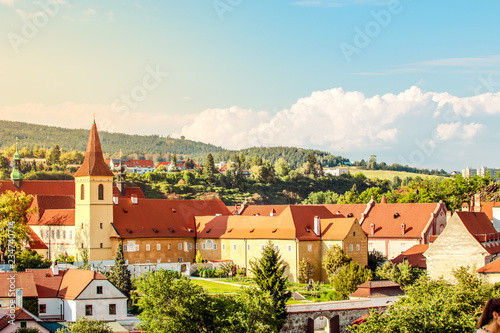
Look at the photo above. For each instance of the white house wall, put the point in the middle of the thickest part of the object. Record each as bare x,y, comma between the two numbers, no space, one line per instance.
70,310
53,306
29,324
100,302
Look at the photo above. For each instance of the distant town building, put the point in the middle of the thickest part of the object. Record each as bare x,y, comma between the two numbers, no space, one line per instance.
481,172
336,172
132,166
181,166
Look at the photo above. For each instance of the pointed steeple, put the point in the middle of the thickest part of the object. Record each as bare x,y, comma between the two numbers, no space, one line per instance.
93,164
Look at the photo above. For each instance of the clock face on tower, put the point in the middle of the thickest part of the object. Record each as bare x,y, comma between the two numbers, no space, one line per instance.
19,292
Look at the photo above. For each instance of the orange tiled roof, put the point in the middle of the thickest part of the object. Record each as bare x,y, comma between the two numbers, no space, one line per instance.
74,281
476,223
93,164
129,192
263,210
414,256
492,267
487,207
138,163
41,187
389,217
337,228
293,222
23,280
162,218
65,217
348,210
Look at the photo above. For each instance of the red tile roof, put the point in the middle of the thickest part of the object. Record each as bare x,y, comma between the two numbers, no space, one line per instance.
41,187
20,314
349,210
36,242
337,228
138,163
162,218
129,192
389,217
476,223
414,256
23,280
47,285
380,288
93,164
492,267
180,164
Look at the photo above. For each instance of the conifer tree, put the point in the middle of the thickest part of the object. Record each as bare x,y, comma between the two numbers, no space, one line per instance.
209,169
268,274
119,274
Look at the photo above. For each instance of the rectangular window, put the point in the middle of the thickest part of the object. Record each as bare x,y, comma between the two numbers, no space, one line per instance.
99,289
180,260
70,234
248,247
137,262
351,247
158,247
289,248
203,246
214,246
169,247
147,261
370,246
197,246
64,234
179,246
100,225
100,245
112,309
148,247
309,247
223,247
23,324
190,246
42,308
125,248
53,232
358,247
88,310
234,247
136,247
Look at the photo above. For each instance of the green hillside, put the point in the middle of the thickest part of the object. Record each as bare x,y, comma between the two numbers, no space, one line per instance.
387,174
76,139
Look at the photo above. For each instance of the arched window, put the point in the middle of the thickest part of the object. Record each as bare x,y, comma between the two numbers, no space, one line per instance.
101,192
82,192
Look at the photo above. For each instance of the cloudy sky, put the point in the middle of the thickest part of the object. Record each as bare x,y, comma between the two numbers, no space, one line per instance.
413,82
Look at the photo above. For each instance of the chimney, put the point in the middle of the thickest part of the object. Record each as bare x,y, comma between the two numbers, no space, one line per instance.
134,199
372,228
273,212
403,228
465,207
115,200
317,225
55,269
477,202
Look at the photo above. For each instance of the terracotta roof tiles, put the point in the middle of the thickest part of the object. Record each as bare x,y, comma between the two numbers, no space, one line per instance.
22,280
93,164
414,256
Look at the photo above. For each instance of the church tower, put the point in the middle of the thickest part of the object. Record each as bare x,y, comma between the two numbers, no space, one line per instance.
93,202
16,175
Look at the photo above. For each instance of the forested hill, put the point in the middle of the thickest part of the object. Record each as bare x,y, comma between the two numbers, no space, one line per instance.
76,139
46,137
294,156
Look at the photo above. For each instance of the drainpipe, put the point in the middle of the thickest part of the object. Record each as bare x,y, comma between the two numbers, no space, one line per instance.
296,260
246,274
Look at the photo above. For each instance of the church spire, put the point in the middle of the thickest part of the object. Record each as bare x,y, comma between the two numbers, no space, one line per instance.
16,175
93,164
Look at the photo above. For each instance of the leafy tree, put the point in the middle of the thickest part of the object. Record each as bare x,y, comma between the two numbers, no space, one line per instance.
368,194
403,274
189,164
376,259
350,197
268,273
434,306
334,259
14,207
119,274
311,160
85,260
372,162
65,258
28,258
177,306
199,257
305,267
54,155
209,169
348,278
4,162
281,167
321,198
84,325
256,160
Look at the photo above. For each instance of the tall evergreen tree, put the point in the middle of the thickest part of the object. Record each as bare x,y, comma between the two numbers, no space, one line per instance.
119,274
209,169
54,155
268,274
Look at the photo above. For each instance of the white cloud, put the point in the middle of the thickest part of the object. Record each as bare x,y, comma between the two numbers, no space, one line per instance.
8,2
448,131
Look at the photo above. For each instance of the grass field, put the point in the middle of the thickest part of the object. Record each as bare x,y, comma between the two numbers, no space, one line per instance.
216,288
387,174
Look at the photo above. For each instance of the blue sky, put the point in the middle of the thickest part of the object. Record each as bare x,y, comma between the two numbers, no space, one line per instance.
410,81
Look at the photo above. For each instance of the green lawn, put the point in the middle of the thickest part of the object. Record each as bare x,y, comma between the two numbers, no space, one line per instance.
216,288
387,174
